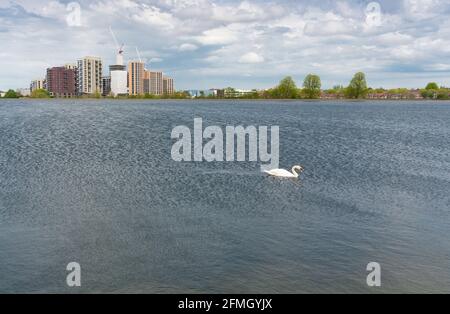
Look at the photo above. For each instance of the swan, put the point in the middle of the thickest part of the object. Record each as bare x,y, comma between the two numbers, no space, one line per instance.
296,170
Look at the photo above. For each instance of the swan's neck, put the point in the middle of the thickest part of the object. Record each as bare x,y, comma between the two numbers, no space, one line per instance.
296,172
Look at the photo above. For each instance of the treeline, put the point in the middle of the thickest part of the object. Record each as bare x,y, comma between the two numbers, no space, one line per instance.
287,89
175,95
312,88
433,91
42,93
39,93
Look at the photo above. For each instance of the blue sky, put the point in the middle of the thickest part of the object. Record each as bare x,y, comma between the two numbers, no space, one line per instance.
245,44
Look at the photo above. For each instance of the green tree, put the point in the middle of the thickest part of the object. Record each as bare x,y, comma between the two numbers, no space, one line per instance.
11,94
312,85
428,93
287,89
432,86
443,94
40,93
97,94
358,86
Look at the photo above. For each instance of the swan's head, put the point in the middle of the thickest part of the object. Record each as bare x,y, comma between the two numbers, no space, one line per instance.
298,169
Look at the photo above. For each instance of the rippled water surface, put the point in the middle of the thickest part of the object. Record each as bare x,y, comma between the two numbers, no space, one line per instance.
94,182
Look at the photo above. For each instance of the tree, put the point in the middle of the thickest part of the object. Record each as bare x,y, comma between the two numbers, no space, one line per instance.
40,93
11,94
358,86
312,85
443,94
287,89
97,94
432,86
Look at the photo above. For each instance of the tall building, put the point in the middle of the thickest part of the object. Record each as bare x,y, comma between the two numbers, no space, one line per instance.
118,73
168,88
156,83
106,85
146,82
136,78
70,66
73,66
61,82
37,84
89,78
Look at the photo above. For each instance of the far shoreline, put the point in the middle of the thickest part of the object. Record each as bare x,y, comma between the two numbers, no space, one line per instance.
225,100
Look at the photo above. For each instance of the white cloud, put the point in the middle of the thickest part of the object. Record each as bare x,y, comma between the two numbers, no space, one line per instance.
154,17
251,57
226,38
218,36
155,60
187,47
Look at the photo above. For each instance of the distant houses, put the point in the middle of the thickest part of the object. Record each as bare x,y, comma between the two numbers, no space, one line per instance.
395,94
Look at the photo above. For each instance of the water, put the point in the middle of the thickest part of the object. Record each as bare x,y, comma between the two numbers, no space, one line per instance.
93,182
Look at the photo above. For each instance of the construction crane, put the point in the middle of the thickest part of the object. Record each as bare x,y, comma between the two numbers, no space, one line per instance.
120,48
139,55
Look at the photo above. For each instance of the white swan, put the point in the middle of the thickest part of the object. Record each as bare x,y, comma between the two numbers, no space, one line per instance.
296,170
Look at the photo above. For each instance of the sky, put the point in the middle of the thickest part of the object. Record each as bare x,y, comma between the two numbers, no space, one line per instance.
240,43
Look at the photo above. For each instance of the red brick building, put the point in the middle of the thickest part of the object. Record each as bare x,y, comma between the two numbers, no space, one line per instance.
61,82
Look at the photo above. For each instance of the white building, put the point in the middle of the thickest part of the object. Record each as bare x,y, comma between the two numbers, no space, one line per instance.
119,76
37,84
89,70
25,92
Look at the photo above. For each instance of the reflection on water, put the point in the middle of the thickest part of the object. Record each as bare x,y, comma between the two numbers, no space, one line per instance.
93,182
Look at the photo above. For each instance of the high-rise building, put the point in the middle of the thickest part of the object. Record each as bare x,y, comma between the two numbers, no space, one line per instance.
146,82
37,84
89,78
73,66
156,83
106,85
118,73
70,66
136,78
61,82
168,87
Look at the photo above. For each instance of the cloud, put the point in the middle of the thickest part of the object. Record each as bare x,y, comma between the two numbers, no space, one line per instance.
222,40
187,47
251,57
155,60
218,36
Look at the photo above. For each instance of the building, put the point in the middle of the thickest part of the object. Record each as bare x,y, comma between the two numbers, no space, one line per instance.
106,85
89,76
61,82
237,93
37,84
146,82
70,66
168,88
73,66
24,92
119,80
118,73
195,93
216,92
156,83
136,78
2,94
